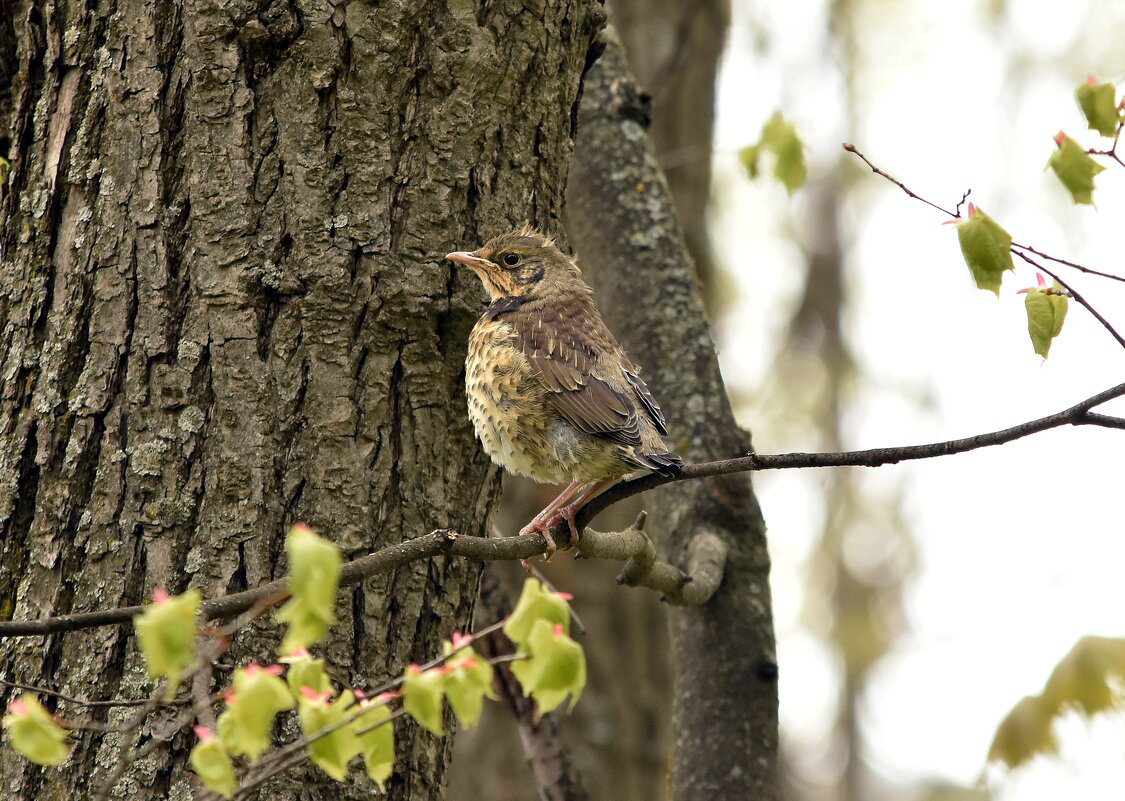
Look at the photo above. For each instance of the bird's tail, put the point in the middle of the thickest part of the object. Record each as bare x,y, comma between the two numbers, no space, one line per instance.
666,464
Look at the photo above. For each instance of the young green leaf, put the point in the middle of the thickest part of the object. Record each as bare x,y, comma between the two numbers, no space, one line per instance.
750,156
779,138
1046,312
555,667
1089,677
34,733
422,691
1074,167
375,730
246,725
304,671
1027,731
467,681
166,634
536,602
987,248
314,576
333,751
211,762
789,152
1098,103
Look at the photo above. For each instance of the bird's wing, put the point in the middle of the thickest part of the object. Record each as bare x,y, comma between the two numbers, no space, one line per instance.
566,344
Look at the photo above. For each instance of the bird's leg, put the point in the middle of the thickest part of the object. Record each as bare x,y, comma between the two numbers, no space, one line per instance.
568,512
545,520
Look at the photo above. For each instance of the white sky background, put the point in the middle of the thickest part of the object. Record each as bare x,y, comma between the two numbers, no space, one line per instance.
1021,548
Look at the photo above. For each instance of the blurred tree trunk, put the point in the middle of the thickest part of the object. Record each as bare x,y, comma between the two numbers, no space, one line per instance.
224,309
674,48
724,708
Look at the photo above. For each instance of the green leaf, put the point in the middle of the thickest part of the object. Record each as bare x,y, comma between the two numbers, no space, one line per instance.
1046,311
987,248
779,138
750,156
375,730
314,576
304,671
789,153
246,725
333,751
1098,103
166,634
211,762
34,733
536,602
555,667
1026,732
467,681
422,692
1089,677
1074,167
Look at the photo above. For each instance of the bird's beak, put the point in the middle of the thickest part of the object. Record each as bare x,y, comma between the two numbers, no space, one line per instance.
469,260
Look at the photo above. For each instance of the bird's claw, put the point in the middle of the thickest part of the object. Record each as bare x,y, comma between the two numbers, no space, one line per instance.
543,525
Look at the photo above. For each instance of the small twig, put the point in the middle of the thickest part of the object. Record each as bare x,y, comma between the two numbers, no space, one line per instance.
78,701
1071,264
851,149
1112,152
437,660
201,696
961,202
125,757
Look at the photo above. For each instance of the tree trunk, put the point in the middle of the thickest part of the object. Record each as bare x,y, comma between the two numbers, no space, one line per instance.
225,309
673,48
723,657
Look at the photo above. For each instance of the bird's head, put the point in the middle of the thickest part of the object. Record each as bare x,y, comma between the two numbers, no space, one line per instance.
523,264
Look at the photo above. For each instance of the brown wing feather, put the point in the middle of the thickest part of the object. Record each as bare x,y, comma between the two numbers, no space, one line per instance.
647,401
561,341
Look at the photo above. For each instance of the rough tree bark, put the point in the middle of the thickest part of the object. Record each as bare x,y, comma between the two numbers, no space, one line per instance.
224,309
723,656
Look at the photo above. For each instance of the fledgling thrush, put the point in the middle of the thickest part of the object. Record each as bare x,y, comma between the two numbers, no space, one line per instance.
552,394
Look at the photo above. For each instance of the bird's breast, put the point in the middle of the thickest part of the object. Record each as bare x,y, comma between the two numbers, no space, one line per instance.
506,406
517,421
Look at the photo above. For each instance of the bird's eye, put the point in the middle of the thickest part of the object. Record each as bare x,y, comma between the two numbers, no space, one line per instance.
511,259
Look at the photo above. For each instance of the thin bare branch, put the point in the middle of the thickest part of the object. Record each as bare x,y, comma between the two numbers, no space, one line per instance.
486,549
78,701
1072,264
1015,248
852,149
1078,414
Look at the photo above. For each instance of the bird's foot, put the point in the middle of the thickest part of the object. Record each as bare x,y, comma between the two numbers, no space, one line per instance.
542,525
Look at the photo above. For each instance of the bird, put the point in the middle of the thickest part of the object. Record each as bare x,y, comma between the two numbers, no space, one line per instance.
551,393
